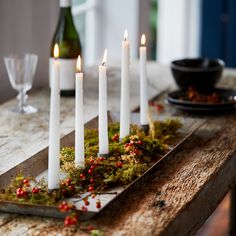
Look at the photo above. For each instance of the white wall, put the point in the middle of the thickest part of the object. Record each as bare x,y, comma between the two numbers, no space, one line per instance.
26,26
116,17
178,29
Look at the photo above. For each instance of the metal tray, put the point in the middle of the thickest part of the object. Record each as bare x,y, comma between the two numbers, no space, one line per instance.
37,166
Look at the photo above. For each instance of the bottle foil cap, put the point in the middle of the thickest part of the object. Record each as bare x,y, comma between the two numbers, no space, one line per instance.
65,3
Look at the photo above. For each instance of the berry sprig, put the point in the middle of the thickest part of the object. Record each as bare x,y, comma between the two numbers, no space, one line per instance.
65,207
132,147
68,187
71,220
35,190
115,138
21,192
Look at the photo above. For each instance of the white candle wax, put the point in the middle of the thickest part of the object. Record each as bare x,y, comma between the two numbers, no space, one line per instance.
54,129
125,90
79,121
103,123
143,83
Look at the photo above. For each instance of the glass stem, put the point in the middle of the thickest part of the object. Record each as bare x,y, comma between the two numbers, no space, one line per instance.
22,97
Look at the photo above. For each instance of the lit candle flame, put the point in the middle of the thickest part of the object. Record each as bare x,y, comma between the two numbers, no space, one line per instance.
104,60
56,51
143,40
78,65
126,35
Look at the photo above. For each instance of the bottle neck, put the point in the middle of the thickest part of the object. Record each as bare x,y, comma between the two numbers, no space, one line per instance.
65,12
65,3
65,9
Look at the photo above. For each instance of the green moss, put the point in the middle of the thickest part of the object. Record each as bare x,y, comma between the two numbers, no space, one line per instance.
128,160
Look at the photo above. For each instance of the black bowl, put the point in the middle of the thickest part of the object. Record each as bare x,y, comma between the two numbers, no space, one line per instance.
200,73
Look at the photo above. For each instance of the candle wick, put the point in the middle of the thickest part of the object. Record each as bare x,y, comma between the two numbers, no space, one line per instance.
103,64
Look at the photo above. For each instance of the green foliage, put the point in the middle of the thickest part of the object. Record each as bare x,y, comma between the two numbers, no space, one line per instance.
128,160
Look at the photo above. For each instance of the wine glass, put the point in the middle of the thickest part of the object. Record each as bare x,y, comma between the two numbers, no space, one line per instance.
21,71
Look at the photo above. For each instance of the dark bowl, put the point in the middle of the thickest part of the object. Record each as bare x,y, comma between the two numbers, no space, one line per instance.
200,73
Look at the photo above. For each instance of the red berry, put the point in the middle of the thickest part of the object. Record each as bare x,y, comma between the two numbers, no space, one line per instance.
35,190
91,161
91,180
139,142
86,202
84,208
71,187
82,176
90,188
68,181
115,138
64,207
26,182
98,205
101,158
90,171
67,221
20,192
70,220
92,167
119,164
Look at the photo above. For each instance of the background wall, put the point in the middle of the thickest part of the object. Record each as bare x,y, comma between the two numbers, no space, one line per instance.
179,29
118,16
25,26
219,30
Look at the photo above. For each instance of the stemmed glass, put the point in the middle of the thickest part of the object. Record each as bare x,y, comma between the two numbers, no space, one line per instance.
21,71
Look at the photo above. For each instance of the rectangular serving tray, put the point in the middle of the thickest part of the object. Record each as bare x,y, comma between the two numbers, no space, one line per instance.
38,163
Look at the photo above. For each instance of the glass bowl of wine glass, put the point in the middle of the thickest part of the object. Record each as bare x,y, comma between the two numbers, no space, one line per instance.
21,70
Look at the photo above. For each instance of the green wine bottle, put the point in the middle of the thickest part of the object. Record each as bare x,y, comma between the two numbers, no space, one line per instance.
68,40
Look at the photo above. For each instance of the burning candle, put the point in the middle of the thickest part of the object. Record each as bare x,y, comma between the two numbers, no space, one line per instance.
103,125
143,83
54,125
125,88
79,117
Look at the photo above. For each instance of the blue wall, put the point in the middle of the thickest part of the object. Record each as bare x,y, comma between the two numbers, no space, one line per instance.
218,36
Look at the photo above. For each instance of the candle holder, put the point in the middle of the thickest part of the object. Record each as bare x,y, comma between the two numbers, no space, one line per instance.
145,128
103,155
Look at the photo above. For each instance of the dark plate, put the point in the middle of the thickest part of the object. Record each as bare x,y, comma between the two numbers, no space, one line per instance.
228,97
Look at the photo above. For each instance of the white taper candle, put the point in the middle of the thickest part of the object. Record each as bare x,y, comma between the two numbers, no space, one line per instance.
54,126
143,83
103,123
79,118
125,88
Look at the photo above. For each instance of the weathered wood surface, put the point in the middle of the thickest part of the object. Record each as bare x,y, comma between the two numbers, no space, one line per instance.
179,196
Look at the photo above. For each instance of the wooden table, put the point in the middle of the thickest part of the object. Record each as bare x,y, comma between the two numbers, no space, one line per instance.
180,195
